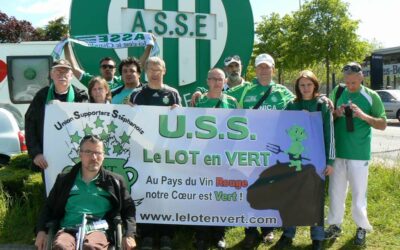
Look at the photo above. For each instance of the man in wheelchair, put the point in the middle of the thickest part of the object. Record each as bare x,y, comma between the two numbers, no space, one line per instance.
87,189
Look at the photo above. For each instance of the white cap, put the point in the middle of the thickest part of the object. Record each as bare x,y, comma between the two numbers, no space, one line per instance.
265,58
232,59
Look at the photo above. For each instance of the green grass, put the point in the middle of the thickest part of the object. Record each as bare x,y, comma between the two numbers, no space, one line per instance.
18,216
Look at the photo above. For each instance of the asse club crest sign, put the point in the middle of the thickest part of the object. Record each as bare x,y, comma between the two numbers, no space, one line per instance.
193,35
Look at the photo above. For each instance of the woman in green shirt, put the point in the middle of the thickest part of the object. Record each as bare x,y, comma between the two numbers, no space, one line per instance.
308,99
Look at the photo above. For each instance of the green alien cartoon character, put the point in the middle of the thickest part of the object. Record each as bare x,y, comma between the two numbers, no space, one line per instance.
297,135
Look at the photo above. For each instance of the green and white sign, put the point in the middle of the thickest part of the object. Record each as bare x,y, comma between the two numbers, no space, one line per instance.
193,35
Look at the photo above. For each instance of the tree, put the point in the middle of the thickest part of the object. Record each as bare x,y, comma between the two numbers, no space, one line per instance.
54,30
272,33
320,32
328,34
13,30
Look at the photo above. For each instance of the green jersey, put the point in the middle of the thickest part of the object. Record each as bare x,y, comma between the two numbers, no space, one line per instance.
327,120
356,145
225,102
114,83
248,95
85,198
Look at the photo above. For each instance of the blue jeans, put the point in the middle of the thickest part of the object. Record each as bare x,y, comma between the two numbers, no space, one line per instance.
316,232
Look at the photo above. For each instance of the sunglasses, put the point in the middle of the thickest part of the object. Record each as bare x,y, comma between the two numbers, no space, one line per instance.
235,57
107,66
352,68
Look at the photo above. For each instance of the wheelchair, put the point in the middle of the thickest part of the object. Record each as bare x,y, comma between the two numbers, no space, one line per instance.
115,241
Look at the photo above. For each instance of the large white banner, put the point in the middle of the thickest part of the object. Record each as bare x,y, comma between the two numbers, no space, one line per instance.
201,166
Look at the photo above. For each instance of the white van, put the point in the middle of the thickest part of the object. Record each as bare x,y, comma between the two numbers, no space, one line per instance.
24,69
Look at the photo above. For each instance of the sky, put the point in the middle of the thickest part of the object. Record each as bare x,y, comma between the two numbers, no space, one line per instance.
378,17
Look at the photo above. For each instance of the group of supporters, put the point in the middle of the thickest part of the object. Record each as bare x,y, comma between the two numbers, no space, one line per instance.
347,115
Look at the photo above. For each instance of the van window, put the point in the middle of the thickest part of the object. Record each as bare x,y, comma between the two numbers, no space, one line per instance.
27,75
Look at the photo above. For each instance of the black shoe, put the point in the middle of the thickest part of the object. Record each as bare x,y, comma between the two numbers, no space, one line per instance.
165,243
360,237
147,243
317,245
201,245
283,242
332,232
250,240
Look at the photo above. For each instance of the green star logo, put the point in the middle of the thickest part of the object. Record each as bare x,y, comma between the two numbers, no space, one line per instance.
112,127
75,138
103,135
99,122
118,149
124,138
88,130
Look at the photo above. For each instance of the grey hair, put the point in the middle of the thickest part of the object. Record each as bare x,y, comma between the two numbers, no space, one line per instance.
154,60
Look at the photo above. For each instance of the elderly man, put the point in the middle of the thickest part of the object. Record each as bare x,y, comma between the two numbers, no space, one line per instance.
358,108
88,188
61,90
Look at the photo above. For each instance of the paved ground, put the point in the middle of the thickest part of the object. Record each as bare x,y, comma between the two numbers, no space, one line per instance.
386,144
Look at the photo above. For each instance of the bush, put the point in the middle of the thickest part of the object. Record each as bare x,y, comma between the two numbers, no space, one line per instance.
21,161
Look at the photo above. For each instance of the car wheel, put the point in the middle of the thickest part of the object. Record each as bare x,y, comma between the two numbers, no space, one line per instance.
4,159
398,115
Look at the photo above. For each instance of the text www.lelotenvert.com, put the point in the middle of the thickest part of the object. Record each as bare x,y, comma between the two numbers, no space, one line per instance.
207,218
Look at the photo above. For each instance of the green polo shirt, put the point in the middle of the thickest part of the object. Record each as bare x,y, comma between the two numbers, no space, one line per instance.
249,94
85,198
114,83
226,102
356,145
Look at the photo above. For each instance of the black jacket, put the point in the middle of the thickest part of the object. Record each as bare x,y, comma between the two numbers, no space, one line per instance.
121,201
34,119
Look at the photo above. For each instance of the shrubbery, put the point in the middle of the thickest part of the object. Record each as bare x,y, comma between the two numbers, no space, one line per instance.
21,196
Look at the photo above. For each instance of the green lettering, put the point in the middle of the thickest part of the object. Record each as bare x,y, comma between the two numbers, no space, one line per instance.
138,22
139,36
203,123
254,157
183,153
180,127
163,29
242,158
167,158
103,38
127,37
200,25
180,18
115,38
239,125
145,157
231,157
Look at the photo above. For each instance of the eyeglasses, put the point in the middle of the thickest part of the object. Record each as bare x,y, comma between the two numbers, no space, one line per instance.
229,58
90,153
352,68
107,66
216,79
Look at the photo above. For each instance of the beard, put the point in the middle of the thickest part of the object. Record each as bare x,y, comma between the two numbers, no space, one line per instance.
234,77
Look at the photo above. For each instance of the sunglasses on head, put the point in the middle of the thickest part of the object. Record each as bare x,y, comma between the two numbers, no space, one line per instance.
107,66
352,68
235,57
